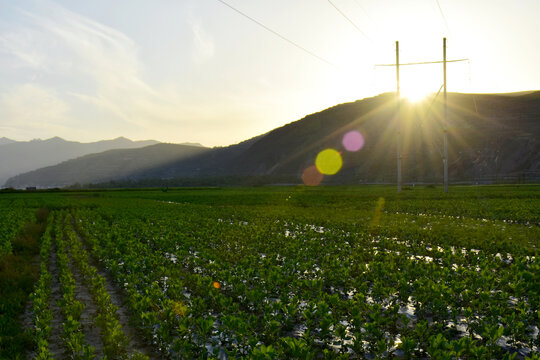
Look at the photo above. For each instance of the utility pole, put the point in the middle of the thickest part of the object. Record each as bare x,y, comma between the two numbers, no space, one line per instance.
398,119
445,122
398,115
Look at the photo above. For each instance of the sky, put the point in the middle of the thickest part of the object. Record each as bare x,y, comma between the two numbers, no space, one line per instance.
199,71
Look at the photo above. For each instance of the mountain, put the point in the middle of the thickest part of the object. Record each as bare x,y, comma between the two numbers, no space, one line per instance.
106,166
23,156
5,140
491,137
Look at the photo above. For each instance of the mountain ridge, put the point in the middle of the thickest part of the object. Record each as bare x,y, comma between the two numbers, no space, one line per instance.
490,136
4,140
22,156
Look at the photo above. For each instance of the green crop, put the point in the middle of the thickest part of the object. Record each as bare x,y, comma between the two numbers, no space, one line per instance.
300,273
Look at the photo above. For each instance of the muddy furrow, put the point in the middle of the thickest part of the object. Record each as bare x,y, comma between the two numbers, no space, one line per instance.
92,334
136,341
55,340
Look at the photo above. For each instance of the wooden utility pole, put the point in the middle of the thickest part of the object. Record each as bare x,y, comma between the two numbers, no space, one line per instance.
445,122
398,119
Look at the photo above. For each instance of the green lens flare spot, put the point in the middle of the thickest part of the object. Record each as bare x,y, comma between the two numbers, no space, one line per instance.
328,162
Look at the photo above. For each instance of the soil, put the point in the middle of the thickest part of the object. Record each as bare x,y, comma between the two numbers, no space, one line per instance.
136,342
91,331
55,341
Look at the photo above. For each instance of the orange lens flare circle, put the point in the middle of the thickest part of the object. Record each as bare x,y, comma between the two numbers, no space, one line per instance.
329,162
311,176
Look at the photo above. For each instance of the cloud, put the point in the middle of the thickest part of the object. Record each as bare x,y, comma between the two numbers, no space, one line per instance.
86,61
97,72
204,44
19,46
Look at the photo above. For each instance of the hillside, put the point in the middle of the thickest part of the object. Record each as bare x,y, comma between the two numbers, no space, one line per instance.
105,166
22,156
491,137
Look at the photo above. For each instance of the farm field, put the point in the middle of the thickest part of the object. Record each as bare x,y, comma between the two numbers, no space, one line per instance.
275,273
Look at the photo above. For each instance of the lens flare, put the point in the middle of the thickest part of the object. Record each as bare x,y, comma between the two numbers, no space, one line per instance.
353,141
180,308
328,162
311,176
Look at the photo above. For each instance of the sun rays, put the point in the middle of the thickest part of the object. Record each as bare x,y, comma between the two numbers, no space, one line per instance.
359,144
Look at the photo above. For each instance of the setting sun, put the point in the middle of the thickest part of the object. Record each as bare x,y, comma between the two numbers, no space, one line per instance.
418,82
415,94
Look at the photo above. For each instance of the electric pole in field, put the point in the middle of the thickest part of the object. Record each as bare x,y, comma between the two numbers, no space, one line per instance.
445,115
398,119
445,122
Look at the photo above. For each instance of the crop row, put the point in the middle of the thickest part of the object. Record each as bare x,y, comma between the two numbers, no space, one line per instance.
41,297
115,341
14,216
72,331
72,256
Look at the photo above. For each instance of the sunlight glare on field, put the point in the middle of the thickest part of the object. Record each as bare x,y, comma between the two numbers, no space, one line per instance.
329,162
377,214
312,176
353,141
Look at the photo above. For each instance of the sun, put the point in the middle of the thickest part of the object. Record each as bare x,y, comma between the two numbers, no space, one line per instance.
419,82
415,93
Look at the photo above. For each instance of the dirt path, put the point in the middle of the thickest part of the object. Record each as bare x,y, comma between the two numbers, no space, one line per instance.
92,334
136,342
91,331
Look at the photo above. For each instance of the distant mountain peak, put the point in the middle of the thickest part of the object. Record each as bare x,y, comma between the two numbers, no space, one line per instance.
122,138
192,144
5,140
19,157
55,139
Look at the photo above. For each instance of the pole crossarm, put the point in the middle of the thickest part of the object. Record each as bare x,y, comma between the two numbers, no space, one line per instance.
423,63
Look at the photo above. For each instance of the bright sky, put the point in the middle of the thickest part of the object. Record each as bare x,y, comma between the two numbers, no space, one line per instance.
197,71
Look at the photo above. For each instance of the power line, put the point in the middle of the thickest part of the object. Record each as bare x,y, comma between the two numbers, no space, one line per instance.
349,20
443,17
279,35
364,10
